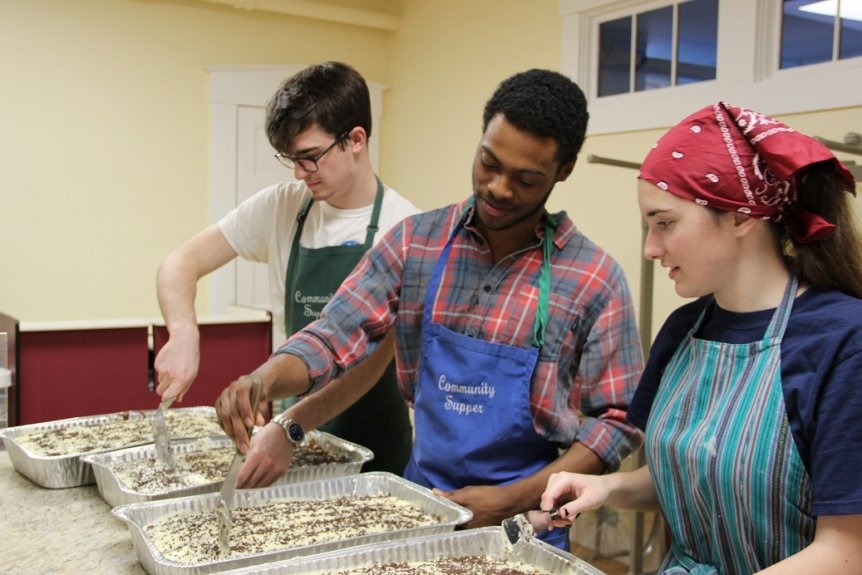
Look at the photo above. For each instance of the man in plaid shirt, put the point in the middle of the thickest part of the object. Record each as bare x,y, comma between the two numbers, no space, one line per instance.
516,340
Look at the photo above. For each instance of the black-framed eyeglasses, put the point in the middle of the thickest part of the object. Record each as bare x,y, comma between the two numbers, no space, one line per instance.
307,163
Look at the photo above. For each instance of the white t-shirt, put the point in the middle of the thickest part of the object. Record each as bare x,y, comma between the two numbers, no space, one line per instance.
261,229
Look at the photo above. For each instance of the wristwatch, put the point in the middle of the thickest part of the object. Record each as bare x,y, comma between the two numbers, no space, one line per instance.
292,429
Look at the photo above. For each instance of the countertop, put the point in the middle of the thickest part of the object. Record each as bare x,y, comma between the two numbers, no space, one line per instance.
46,531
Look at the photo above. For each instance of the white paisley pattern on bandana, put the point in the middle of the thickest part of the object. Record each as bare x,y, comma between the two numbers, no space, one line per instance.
738,160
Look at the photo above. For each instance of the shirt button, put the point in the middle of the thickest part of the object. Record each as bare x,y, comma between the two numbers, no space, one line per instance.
487,288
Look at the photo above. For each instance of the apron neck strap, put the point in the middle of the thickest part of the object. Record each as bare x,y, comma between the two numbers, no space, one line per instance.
778,323
375,215
544,282
371,230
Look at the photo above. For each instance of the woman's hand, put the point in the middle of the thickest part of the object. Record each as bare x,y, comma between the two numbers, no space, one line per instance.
573,493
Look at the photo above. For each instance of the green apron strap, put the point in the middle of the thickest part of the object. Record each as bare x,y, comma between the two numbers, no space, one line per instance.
375,215
294,246
544,282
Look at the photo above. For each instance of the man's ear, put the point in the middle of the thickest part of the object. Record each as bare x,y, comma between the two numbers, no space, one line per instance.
565,171
357,138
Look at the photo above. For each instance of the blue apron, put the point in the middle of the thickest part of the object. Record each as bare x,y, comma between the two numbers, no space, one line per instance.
722,457
472,406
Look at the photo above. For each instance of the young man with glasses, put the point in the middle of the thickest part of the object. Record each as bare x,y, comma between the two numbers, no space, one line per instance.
311,232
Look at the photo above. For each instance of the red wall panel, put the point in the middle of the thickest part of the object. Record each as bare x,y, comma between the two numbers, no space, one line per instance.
228,350
78,372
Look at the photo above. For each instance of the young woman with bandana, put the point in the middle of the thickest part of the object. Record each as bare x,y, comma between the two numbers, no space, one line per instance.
750,398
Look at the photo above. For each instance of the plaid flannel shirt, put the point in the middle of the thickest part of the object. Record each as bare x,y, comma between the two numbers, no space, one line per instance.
591,359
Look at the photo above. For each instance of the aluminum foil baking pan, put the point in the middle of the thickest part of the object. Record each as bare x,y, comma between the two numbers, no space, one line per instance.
138,515
68,470
116,493
490,541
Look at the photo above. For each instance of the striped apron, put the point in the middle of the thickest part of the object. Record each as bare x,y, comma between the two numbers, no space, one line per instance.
730,481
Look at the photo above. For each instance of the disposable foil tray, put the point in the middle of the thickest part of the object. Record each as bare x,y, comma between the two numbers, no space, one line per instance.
69,470
489,541
112,489
139,515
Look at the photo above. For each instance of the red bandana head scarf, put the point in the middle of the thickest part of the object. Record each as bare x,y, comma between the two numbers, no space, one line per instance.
737,160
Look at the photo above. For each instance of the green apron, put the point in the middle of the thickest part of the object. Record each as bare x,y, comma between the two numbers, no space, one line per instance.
722,457
379,420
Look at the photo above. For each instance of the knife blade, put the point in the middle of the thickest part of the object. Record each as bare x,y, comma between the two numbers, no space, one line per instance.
160,434
228,488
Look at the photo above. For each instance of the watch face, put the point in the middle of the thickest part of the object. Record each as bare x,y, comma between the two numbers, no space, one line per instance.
294,430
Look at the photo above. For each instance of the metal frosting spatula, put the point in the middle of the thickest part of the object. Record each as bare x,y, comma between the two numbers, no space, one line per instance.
523,527
517,528
160,434
228,488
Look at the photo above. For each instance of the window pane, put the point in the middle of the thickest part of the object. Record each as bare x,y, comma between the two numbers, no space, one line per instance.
806,37
851,30
654,49
697,41
615,48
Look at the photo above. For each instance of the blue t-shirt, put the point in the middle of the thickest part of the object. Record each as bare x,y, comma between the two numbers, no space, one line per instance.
821,375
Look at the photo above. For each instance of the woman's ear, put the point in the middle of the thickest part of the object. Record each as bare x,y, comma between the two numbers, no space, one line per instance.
743,224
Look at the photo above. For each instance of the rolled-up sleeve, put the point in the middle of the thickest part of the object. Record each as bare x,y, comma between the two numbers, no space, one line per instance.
607,377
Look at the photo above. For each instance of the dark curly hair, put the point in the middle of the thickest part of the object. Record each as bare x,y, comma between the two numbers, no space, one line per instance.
331,94
546,104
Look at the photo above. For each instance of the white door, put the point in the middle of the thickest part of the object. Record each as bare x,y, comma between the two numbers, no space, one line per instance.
256,169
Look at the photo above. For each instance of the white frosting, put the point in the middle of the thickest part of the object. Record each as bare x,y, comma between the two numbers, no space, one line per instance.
114,432
204,462
199,466
192,537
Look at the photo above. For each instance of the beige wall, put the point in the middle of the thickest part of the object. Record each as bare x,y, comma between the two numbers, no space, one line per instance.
445,63
103,131
104,138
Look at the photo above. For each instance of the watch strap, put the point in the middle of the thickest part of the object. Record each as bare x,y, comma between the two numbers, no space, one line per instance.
293,430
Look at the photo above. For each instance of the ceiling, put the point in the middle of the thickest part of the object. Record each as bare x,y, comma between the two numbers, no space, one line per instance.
393,7
380,14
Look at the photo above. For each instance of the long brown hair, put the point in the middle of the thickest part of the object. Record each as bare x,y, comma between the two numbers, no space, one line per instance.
836,260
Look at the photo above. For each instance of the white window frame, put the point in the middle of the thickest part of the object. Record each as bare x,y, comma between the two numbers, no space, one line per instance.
749,37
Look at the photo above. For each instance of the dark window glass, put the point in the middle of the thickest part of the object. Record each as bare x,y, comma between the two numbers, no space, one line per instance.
806,37
654,49
697,41
615,47
851,31
652,55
